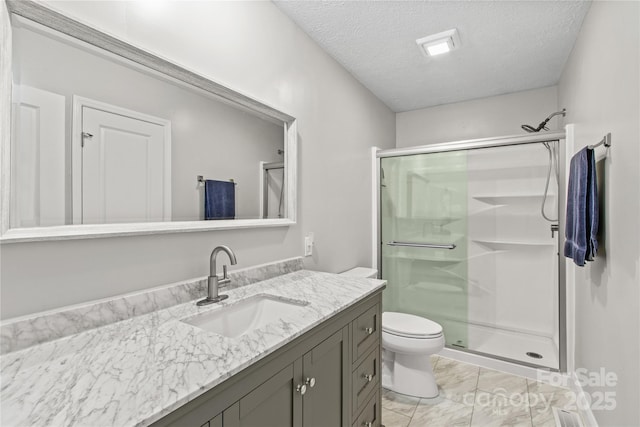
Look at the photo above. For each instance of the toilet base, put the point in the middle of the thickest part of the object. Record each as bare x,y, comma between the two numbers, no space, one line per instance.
409,374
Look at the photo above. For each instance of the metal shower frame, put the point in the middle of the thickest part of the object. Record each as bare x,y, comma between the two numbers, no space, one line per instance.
471,144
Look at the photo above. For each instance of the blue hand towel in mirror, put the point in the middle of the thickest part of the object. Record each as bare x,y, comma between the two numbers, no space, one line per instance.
219,199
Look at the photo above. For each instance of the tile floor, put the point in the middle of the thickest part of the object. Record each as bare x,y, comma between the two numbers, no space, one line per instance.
473,396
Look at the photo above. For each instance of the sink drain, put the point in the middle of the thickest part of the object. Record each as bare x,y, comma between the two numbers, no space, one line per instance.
534,355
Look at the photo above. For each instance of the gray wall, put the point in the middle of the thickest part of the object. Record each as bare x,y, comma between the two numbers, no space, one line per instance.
600,89
479,118
209,137
253,48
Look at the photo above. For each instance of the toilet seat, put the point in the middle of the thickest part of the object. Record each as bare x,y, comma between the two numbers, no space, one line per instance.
410,326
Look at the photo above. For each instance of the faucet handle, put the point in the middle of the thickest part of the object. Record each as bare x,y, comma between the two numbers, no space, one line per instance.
225,276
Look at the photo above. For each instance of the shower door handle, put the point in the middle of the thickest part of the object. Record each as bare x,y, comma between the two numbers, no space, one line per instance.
422,245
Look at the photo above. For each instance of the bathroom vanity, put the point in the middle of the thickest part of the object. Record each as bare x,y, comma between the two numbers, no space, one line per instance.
328,376
316,365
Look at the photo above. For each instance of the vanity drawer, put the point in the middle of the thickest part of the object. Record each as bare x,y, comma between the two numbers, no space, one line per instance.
370,415
365,331
365,379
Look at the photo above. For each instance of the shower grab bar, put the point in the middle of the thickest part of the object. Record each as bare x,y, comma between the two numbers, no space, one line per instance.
422,245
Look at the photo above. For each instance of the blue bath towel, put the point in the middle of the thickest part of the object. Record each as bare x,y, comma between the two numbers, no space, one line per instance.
219,200
582,208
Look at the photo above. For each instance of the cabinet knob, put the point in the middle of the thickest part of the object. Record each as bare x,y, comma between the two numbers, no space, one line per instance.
310,382
302,389
367,377
367,423
369,331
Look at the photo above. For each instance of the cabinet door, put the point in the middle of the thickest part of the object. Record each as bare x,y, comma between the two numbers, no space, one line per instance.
275,403
215,422
326,401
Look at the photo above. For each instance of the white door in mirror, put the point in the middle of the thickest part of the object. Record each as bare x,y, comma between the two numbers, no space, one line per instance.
37,171
123,169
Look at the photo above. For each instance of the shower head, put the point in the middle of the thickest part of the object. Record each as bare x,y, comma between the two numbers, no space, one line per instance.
531,129
543,125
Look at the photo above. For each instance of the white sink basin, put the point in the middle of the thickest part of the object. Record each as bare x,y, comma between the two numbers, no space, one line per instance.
246,315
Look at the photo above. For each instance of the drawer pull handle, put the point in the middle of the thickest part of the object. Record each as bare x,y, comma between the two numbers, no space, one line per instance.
302,389
310,382
367,423
367,377
369,331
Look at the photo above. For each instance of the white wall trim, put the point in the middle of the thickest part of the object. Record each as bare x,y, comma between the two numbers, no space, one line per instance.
76,232
6,80
291,169
583,402
570,268
261,189
375,207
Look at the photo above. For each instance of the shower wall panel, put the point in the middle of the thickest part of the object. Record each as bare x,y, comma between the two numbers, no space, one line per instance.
513,263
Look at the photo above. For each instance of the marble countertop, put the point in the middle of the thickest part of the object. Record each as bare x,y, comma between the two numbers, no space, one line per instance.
135,371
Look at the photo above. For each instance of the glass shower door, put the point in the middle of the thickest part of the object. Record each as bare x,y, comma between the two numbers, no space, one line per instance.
464,243
424,239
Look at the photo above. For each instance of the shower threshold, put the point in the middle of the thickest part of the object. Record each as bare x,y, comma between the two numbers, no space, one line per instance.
509,345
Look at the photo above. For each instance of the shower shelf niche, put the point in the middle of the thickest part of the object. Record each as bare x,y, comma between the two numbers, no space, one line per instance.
512,199
437,287
504,245
433,220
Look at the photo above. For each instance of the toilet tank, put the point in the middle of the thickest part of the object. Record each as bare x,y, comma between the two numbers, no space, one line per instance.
370,273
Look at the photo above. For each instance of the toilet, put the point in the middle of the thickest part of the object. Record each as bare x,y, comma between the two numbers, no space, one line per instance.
408,341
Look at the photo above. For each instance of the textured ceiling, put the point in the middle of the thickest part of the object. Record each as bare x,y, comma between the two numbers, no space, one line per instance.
507,46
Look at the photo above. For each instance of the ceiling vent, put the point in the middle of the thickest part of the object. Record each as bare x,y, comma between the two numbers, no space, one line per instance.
440,43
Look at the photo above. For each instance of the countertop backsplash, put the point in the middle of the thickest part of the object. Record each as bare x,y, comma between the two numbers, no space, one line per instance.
26,331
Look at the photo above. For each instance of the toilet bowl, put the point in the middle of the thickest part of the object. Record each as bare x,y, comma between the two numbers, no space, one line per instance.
407,343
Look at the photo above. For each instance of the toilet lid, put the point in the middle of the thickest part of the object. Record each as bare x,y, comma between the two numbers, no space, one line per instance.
408,325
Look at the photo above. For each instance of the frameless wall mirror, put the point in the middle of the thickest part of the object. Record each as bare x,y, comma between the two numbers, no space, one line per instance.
108,139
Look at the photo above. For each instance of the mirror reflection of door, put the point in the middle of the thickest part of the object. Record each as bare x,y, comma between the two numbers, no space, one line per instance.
38,158
125,171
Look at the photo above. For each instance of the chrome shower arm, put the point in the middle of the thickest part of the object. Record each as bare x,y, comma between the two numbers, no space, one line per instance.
543,125
557,113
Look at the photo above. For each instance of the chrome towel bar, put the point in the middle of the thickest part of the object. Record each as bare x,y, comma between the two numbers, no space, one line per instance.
422,245
201,180
606,141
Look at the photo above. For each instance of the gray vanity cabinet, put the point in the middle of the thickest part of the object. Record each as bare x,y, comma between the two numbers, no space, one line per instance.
275,403
328,377
326,373
308,393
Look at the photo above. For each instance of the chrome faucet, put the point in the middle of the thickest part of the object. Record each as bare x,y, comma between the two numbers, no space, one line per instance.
213,281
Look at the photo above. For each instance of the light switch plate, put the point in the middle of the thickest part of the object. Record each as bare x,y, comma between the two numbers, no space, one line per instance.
308,244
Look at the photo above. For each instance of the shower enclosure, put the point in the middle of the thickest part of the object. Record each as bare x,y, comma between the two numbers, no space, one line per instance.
272,204
464,242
